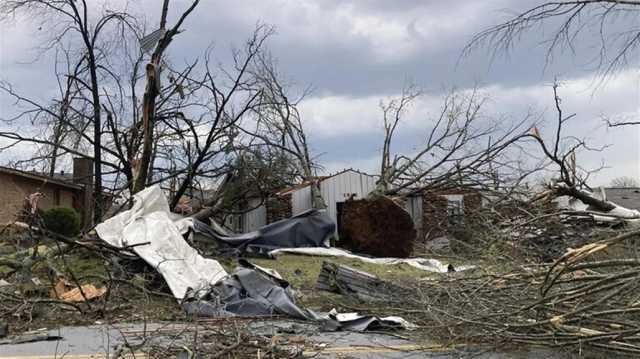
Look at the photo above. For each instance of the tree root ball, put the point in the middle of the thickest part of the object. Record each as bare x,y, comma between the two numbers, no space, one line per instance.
378,227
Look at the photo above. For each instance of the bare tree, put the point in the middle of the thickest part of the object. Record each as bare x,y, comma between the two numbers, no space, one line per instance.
193,126
69,19
625,182
462,148
152,91
576,20
279,123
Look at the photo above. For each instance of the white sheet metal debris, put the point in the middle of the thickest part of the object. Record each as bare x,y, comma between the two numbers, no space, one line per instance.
165,250
429,265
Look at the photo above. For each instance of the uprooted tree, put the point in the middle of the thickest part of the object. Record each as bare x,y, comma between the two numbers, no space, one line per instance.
462,148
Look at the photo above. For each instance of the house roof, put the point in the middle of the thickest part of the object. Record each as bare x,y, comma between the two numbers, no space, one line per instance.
40,177
318,179
625,197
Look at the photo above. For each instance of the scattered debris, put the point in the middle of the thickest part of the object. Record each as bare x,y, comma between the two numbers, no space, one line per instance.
560,304
361,285
426,264
202,284
67,292
359,323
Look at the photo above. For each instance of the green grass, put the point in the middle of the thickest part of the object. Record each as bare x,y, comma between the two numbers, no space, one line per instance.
302,271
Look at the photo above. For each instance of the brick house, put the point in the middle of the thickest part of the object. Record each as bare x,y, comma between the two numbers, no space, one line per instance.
74,191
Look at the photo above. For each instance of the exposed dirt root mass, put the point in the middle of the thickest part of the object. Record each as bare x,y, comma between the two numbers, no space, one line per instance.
378,227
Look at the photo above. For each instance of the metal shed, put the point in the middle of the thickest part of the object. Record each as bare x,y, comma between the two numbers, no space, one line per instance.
335,189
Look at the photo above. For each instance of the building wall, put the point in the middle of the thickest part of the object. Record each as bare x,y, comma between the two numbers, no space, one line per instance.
14,190
339,188
255,218
333,190
277,208
435,208
413,205
301,200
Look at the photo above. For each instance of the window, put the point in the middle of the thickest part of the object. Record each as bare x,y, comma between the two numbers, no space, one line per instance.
455,208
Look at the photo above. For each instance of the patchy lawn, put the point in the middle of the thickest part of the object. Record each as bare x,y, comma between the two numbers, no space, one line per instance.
302,271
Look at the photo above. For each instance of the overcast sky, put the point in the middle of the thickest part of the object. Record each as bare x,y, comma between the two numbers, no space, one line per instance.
356,53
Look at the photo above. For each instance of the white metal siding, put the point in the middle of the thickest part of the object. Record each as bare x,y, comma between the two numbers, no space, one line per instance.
342,186
413,205
301,200
255,218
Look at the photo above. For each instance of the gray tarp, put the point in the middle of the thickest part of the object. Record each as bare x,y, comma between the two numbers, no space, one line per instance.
249,290
311,228
254,291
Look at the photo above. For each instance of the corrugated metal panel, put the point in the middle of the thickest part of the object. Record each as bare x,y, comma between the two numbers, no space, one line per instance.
413,205
342,186
256,218
301,200
148,43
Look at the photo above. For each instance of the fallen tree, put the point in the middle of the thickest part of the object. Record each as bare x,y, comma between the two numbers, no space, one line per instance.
571,180
581,301
462,150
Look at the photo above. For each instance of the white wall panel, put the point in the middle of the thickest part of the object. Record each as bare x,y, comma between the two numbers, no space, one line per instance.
301,200
255,218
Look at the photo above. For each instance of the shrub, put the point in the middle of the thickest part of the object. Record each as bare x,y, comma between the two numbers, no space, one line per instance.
62,220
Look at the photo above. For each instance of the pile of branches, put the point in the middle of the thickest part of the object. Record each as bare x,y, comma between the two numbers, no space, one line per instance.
42,259
582,301
220,338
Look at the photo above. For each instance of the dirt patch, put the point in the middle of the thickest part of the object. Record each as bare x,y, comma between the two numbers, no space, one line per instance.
378,227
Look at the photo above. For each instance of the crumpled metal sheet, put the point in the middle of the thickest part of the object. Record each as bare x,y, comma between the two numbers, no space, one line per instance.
148,227
252,291
359,323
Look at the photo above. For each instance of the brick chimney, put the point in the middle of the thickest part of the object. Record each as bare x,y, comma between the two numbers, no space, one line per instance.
83,175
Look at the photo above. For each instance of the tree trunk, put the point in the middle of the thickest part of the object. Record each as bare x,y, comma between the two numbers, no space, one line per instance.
148,114
97,149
